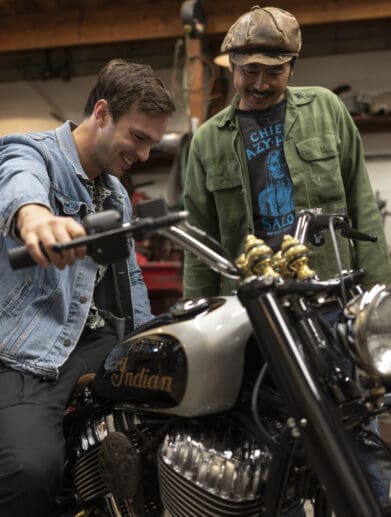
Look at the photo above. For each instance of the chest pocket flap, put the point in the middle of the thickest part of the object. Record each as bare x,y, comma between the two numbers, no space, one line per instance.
318,148
320,163
70,207
223,175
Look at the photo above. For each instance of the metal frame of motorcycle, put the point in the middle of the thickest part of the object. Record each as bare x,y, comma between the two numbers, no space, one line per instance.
315,417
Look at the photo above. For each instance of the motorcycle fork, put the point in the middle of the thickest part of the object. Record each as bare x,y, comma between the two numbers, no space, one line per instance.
278,472
321,505
325,441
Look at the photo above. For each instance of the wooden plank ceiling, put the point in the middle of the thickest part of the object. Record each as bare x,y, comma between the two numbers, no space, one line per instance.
45,24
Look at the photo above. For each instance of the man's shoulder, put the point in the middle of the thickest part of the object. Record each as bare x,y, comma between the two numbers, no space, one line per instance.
218,118
304,94
28,140
213,125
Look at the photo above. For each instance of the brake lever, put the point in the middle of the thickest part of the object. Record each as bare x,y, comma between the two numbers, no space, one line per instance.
358,236
312,222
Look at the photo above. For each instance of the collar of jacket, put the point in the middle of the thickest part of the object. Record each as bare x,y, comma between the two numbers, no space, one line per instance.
295,97
68,146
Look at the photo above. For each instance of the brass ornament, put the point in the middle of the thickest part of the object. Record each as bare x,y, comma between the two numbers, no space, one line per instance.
257,258
296,258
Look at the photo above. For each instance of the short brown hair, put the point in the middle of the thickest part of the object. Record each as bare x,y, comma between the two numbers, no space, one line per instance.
126,85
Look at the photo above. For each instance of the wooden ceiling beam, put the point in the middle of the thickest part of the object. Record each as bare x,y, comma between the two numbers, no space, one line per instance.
221,14
138,21
89,26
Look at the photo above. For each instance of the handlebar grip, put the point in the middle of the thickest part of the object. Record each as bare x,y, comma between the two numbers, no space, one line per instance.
104,232
20,258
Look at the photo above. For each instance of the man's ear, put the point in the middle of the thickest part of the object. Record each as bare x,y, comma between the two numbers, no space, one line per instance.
292,63
102,112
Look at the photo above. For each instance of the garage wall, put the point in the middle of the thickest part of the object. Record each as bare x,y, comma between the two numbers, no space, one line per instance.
41,105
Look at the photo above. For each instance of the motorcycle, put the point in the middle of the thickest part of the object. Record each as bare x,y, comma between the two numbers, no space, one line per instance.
235,405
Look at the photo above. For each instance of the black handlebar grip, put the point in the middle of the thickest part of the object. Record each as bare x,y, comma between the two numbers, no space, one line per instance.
20,258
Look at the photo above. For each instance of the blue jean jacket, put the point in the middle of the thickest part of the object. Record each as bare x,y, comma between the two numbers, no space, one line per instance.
43,312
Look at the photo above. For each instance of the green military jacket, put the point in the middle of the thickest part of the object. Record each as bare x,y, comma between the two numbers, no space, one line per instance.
325,157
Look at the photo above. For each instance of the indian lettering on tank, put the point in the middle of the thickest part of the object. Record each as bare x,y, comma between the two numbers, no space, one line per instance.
142,379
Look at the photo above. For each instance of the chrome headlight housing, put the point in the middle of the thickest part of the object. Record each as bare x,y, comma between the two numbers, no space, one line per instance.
370,331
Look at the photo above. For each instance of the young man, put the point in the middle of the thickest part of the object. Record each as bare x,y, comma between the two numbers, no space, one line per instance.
274,151
59,319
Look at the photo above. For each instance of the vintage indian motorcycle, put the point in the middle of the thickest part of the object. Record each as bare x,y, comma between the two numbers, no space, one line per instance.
238,405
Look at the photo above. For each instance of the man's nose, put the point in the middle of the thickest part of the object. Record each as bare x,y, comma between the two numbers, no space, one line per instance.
143,153
261,82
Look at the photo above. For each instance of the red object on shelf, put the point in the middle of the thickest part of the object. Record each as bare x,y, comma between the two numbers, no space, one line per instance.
162,276
164,283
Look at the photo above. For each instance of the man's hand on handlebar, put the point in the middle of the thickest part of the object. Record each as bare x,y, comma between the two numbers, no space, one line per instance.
40,230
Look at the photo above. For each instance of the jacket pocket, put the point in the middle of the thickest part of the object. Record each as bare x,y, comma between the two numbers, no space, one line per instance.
320,159
223,176
229,198
69,207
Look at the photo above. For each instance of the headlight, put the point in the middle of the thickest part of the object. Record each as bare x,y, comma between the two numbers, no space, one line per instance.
371,331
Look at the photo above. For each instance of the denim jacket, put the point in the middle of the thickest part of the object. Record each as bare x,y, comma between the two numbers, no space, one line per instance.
43,311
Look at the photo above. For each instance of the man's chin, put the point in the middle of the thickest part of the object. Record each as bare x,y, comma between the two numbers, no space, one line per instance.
119,173
264,100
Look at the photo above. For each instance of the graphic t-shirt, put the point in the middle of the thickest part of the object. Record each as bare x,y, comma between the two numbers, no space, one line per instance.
271,184
99,193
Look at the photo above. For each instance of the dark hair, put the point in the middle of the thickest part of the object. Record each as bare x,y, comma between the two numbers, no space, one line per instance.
127,85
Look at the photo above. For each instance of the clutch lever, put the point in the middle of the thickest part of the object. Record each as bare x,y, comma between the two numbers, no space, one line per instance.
312,222
349,233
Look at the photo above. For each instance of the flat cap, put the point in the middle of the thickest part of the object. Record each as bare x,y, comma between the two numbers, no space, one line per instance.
267,35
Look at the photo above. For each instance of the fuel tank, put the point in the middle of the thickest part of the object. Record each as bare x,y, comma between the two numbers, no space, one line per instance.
190,366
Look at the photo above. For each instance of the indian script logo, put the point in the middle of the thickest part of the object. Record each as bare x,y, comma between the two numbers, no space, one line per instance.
141,379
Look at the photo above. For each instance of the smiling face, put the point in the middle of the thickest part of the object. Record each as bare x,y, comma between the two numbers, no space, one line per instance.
260,86
120,144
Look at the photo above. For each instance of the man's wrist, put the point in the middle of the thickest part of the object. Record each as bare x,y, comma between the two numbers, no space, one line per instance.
25,212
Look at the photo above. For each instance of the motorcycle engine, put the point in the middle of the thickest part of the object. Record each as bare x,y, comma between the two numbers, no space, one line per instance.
216,473
111,461
123,463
